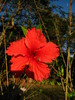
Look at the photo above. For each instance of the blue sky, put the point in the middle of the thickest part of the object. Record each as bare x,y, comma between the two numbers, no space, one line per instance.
65,4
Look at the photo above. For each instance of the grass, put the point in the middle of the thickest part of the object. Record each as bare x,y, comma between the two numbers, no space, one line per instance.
47,92
35,92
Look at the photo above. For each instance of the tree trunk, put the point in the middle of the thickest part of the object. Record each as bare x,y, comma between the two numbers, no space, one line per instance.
68,68
70,18
66,87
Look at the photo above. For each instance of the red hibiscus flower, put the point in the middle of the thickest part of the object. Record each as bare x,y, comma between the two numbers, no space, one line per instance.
31,55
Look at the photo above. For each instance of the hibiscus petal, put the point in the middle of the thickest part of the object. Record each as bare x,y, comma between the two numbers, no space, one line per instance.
35,39
18,63
40,70
47,53
17,48
36,34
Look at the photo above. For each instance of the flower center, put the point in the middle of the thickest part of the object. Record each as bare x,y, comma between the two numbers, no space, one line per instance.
33,53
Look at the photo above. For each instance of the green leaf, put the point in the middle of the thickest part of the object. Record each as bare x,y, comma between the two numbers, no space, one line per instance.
62,70
24,29
59,83
57,74
67,4
41,90
9,36
39,26
71,94
52,82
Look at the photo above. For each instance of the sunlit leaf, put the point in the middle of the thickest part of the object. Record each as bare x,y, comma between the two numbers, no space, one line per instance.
24,29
